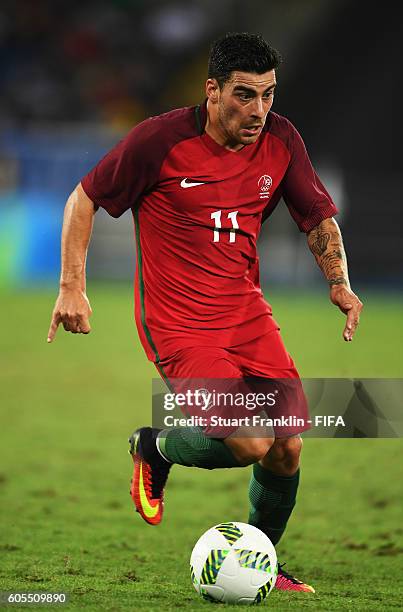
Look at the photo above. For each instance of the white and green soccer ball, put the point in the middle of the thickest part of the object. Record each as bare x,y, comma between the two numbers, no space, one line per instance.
234,563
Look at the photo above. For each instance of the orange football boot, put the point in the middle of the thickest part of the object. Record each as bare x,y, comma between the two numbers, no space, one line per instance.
149,476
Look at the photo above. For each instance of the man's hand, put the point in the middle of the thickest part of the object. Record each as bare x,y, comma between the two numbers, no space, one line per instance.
72,307
326,244
73,310
350,305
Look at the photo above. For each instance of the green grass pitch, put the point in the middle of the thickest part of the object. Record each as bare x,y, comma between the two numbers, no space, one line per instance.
67,522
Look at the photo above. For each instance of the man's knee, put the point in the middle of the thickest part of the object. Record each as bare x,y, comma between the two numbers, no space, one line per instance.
283,456
249,450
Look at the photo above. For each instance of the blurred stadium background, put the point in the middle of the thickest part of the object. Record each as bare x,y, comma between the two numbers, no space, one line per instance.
75,76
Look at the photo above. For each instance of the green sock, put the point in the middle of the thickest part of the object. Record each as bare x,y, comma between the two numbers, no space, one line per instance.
272,499
190,447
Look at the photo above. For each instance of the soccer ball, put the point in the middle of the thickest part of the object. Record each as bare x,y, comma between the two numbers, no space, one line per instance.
233,563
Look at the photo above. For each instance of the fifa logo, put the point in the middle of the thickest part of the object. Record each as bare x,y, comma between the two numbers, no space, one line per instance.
264,183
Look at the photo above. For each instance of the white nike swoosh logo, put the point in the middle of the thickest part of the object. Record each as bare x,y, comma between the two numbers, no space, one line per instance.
185,184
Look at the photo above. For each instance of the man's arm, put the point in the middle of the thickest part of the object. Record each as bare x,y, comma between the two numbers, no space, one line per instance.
72,307
326,244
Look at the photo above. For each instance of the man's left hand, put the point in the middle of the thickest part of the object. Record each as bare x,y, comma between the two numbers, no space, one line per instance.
350,305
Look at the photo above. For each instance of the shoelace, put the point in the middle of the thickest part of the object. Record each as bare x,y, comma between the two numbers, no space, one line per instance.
286,575
154,479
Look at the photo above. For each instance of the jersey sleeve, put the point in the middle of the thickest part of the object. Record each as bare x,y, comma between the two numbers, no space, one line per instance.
129,170
303,192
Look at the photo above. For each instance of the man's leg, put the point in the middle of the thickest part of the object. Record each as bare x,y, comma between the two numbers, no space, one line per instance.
191,447
272,494
203,367
273,487
154,452
275,478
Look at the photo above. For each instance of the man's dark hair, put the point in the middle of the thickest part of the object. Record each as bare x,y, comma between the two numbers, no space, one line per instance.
241,51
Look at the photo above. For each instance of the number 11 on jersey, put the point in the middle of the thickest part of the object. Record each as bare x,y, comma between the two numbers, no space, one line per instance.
217,220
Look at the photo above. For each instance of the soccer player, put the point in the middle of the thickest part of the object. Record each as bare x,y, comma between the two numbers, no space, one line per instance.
200,181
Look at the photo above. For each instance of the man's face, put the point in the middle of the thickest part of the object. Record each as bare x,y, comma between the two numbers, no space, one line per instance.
243,104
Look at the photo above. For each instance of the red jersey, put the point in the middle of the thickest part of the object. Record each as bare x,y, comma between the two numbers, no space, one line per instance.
198,209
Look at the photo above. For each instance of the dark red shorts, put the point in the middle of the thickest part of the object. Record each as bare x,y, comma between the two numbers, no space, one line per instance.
259,367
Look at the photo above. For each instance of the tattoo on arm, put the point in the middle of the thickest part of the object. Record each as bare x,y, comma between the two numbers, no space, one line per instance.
326,244
337,281
319,245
